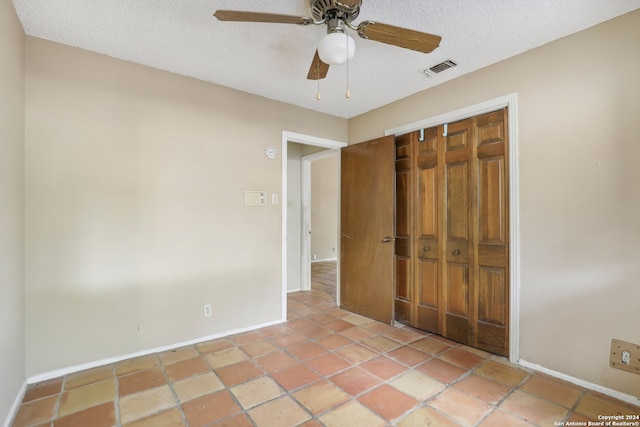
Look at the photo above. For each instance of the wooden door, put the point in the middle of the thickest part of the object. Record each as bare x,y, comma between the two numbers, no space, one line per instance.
491,226
457,223
428,232
403,278
366,216
452,227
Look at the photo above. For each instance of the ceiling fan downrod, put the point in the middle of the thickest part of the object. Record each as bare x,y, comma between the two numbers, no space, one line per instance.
326,10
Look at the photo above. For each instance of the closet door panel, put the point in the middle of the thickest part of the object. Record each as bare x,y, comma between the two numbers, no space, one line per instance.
492,309
404,289
491,299
458,256
458,289
403,203
458,201
428,294
492,218
427,268
492,233
428,201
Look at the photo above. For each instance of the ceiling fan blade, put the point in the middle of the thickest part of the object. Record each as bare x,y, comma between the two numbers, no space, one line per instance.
397,36
318,69
240,16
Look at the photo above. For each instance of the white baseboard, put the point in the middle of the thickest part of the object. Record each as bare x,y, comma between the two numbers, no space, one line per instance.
16,405
290,291
582,383
77,368
324,260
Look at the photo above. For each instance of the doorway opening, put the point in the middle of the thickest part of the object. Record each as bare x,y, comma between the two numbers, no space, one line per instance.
312,211
324,277
320,218
296,251
320,194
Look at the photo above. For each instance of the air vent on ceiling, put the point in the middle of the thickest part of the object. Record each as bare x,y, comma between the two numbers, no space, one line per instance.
439,68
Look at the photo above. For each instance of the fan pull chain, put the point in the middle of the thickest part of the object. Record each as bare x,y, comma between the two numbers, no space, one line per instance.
318,79
347,94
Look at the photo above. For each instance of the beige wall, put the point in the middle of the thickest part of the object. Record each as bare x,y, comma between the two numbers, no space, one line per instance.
134,215
579,142
325,195
12,367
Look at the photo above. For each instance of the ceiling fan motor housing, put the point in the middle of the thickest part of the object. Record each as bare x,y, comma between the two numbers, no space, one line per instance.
324,10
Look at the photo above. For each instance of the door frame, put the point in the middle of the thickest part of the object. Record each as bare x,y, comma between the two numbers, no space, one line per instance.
305,260
299,138
510,101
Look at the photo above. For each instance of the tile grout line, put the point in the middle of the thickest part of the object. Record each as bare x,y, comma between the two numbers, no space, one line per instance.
233,396
116,399
498,404
510,393
380,353
575,405
285,350
421,403
59,400
350,398
447,387
170,384
288,393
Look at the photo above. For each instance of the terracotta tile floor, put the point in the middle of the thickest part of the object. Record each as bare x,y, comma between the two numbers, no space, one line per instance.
324,367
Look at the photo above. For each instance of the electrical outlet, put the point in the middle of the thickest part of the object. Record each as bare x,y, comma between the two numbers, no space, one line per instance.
625,356
208,311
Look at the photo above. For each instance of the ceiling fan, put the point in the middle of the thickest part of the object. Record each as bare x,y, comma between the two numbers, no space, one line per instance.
337,47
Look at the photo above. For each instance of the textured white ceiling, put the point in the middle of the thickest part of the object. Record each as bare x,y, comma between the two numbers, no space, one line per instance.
272,60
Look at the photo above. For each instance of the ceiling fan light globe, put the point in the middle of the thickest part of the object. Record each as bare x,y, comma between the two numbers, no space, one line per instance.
336,48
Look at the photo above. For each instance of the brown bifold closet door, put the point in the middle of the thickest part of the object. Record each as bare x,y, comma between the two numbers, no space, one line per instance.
457,224
452,240
428,234
403,277
492,232
366,229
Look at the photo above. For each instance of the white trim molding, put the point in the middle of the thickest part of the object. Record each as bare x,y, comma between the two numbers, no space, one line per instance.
13,411
510,101
582,383
108,361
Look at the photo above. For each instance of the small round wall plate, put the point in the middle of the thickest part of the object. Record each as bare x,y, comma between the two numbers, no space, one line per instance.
271,152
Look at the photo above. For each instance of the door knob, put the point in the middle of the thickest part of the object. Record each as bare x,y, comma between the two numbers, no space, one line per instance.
387,240
426,248
456,252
